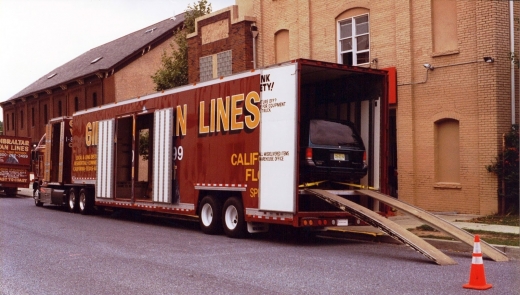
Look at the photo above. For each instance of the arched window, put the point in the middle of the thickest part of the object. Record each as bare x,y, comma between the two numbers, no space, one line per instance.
281,44
447,151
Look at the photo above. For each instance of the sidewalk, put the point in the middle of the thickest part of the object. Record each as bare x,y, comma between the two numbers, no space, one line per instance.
369,233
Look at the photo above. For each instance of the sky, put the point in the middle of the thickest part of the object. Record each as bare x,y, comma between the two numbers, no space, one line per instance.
37,36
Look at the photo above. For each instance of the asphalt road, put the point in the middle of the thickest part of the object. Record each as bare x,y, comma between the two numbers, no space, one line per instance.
49,251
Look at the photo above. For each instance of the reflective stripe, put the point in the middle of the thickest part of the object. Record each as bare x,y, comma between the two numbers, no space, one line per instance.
476,248
477,260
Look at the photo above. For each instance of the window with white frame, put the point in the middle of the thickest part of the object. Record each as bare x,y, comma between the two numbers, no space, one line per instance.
354,41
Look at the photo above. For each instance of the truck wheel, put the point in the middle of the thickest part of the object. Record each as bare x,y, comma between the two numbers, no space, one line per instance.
73,202
233,218
209,215
85,202
10,192
36,197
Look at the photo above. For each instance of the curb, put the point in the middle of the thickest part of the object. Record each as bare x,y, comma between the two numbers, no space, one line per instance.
512,252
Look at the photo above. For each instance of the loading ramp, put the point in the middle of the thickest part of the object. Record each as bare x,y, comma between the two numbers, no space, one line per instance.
437,223
386,225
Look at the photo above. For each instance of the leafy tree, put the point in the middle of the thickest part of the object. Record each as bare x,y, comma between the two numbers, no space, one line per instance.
1,127
506,168
174,68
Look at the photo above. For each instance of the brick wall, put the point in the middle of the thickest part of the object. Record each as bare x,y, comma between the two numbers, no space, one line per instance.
135,78
238,40
462,87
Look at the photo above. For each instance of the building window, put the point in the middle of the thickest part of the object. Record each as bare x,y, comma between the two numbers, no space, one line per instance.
21,119
76,104
447,154
94,99
7,122
45,116
444,26
216,65
281,44
32,117
206,68
224,60
59,108
12,121
354,40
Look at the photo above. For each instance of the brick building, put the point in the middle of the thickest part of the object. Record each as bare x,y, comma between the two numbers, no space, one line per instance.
447,123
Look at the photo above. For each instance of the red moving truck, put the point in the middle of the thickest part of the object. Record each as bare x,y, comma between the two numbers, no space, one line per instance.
230,151
15,163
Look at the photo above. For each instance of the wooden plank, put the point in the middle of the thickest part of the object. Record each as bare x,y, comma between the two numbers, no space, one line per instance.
437,223
386,225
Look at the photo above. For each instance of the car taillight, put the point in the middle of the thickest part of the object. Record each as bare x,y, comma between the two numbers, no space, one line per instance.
308,153
364,158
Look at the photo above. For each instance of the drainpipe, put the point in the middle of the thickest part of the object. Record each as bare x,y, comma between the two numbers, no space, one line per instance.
513,59
254,32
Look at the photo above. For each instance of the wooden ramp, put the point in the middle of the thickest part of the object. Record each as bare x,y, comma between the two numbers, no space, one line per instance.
437,223
384,224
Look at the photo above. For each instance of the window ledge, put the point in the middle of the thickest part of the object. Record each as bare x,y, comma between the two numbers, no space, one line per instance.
447,52
447,185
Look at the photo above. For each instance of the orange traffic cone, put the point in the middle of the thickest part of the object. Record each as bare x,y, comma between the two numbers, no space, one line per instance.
477,277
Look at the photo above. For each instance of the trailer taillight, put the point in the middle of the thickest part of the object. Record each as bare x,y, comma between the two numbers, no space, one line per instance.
308,153
315,222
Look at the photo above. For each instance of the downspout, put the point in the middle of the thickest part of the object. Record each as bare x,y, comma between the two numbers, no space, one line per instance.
513,59
254,32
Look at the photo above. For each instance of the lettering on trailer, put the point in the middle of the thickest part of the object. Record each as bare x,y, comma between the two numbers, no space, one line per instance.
225,113
14,151
85,163
250,159
265,83
14,175
271,103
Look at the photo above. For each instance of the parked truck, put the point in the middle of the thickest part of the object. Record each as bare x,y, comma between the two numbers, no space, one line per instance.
235,151
15,163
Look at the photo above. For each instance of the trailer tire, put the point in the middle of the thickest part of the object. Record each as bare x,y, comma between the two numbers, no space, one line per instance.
73,200
85,202
233,218
36,197
10,192
209,215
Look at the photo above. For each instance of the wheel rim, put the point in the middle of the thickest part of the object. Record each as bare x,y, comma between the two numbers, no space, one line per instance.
82,202
206,214
72,200
231,217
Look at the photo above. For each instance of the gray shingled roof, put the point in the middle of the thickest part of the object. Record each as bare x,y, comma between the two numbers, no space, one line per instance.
112,54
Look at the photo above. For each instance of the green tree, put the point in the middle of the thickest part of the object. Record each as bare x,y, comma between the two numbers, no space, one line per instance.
506,168
174,66
1,127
